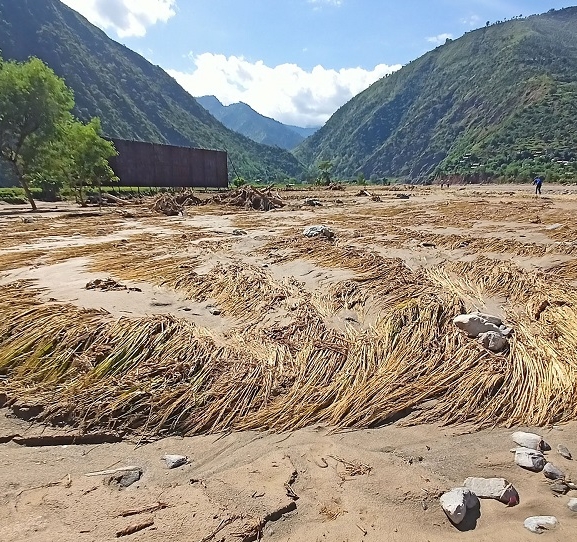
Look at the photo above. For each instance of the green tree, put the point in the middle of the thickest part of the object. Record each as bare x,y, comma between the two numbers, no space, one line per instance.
324,167
33,103
80,157
238,182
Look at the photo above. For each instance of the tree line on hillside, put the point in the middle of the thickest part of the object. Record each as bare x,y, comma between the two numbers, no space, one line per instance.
42,144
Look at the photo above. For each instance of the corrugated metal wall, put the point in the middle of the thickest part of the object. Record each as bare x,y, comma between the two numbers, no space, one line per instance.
151,164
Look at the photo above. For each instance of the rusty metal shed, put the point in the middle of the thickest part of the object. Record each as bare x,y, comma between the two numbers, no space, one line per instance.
142,164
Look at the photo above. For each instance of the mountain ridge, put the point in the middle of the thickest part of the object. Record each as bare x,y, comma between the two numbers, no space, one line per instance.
497,102
133,98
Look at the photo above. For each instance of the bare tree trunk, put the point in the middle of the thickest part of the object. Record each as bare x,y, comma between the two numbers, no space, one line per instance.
24,186
81,194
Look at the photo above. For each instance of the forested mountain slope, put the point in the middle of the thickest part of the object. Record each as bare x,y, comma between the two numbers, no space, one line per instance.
133,98
500,101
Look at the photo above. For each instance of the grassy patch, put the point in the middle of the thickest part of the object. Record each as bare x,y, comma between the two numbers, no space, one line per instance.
16,196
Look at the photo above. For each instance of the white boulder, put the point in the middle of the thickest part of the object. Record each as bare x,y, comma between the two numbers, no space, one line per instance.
474,324
456,502
493,488
530,459
489,318
538,524
572,505
528,440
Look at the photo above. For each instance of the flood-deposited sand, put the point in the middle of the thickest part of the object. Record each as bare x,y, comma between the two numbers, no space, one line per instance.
236,480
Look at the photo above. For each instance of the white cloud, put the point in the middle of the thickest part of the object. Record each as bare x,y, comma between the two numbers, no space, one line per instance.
440,39
318,3
472,21
286,92
125,17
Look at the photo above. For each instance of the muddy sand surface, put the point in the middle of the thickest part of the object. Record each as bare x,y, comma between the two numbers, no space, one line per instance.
345,481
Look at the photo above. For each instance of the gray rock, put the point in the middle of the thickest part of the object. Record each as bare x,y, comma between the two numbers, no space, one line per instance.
174,461
559,487
214,311
456,502
552,472
539,524
564,451
312,202
493,488
239,232
318,231
129,478
494,341
530,459
572,505
528,440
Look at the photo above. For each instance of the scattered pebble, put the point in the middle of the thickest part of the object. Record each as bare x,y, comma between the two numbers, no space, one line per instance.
174,461
129,478
564,451
239,232
215,312
560,487
552,472
539,524
456,502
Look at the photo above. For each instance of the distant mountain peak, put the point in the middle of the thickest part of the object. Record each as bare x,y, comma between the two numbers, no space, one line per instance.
210,99
242,118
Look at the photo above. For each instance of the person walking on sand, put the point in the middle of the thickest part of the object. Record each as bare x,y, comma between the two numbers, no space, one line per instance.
538,182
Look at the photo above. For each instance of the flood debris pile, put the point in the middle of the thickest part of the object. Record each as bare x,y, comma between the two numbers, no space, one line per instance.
248,197
174,204
251,198
167,205
109,285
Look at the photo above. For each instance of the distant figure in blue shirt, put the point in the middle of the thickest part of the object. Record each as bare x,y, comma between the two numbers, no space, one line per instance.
538,182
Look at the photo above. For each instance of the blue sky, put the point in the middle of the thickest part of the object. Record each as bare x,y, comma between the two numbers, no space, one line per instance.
293,60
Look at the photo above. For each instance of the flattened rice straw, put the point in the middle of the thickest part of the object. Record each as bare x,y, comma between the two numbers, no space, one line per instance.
160,374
